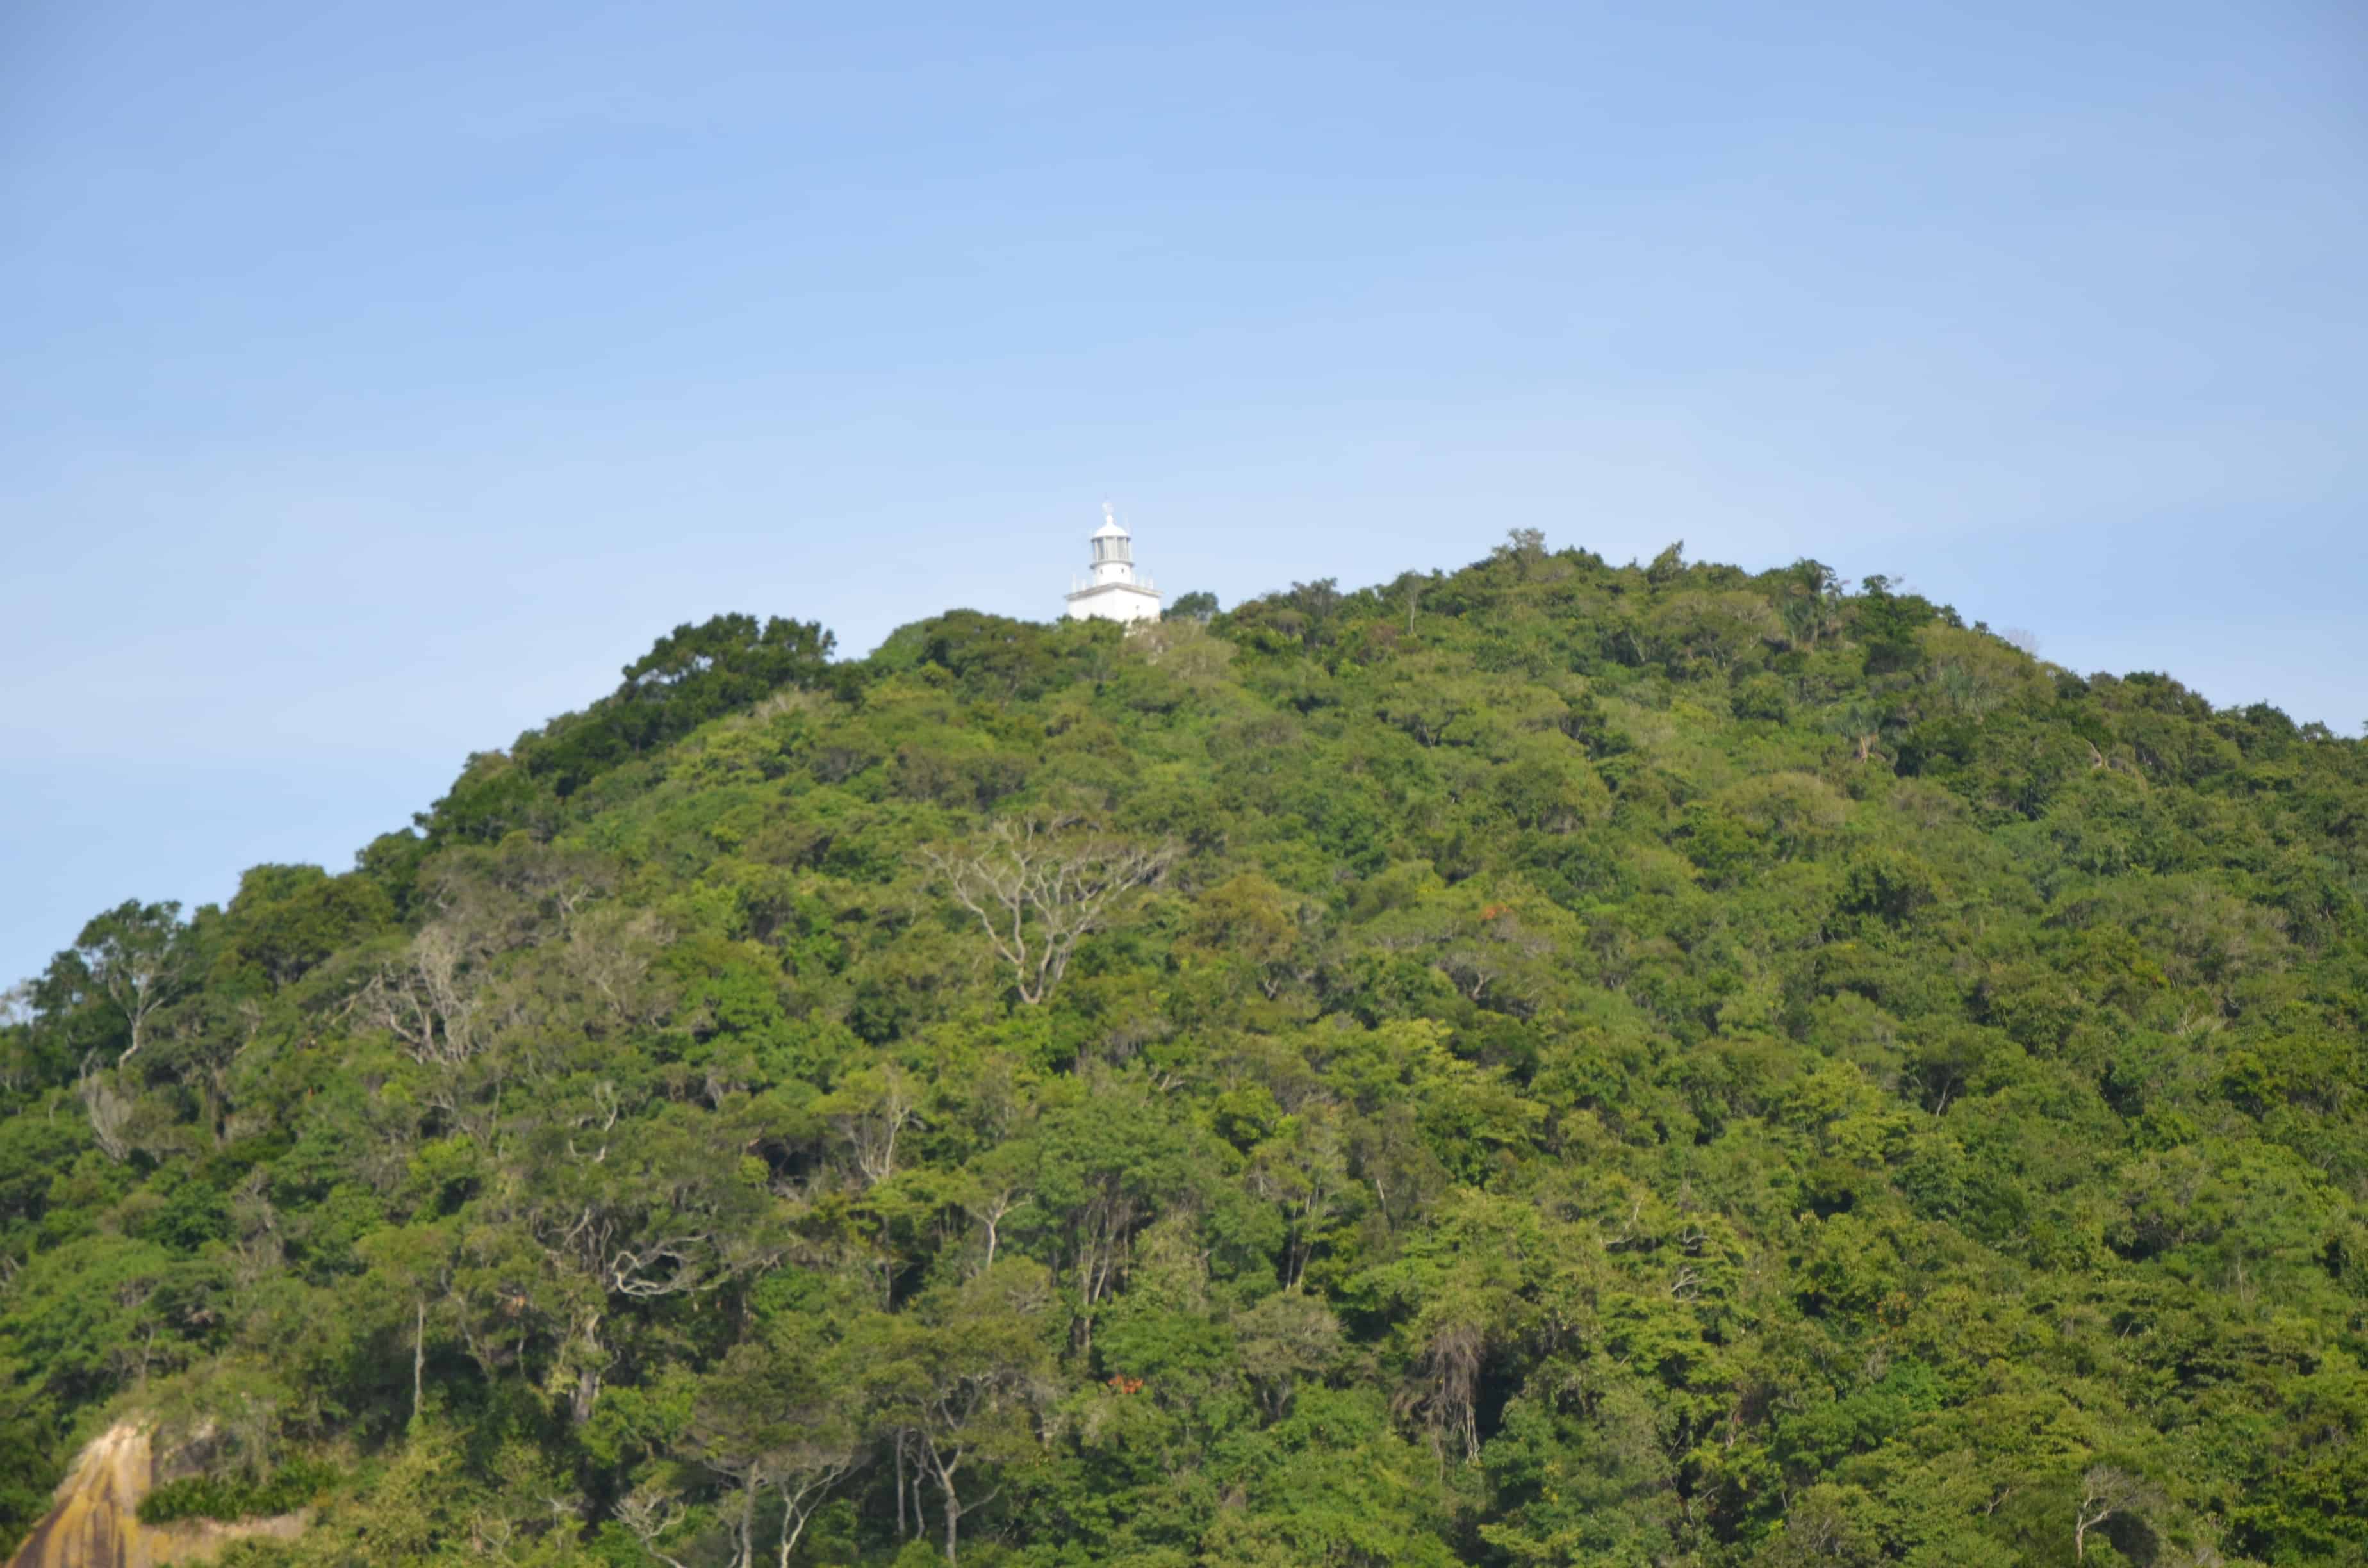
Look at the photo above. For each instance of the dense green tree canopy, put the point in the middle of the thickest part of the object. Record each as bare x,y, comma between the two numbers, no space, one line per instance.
1546,1064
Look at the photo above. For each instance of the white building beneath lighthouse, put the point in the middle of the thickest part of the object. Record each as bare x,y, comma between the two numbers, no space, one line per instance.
1114,592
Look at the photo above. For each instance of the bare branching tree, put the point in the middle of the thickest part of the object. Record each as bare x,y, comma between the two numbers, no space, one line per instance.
648,1511
2104,1493
610,954
870,1112
1039,888
428,997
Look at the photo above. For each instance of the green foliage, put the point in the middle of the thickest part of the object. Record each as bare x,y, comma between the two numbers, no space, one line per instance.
1192,607
284,1490
1585,1065
692,675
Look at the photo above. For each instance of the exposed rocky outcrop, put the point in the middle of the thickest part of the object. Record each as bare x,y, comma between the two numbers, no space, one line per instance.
96,1522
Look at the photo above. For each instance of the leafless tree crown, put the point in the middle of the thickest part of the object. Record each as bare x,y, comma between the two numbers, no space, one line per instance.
2105,1492
1040,888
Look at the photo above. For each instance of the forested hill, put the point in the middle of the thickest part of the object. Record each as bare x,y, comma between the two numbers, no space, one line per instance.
1546,1064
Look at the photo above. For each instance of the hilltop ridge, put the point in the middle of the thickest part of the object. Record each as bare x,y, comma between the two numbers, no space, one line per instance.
1546,1064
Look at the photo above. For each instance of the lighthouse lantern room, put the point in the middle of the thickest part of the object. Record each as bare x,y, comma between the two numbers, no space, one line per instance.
1114,591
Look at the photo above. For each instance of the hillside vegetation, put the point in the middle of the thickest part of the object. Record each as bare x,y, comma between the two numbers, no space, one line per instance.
1551,1064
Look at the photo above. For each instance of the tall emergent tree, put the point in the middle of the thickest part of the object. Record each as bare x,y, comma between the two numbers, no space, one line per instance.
136,958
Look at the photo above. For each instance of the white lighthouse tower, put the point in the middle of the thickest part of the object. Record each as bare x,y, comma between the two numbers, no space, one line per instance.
1114,591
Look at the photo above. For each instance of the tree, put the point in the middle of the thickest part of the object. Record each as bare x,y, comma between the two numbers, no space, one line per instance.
692,675
1249,923
2105,1492
1198,605
1037,888
428,996
1860,721
414,1266
138,960
776,1417
287,919
1809,595
870,1109
1317,600
1428,695
1408,589
1283,1341
960,1380
1693,634
1303,1171
1317,603
1102,1167
19,1063
1523,547
646,1216
1886,624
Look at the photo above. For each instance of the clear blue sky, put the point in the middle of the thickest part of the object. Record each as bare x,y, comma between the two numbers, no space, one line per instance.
376,379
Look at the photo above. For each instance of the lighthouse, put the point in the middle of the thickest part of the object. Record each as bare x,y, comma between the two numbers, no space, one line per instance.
1114,592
